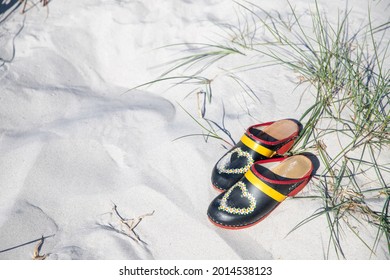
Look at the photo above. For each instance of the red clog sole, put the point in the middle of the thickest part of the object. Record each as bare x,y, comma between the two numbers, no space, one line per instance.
218,189
299,188
241,227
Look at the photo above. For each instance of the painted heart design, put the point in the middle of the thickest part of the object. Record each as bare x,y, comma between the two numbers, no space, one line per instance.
235,210
223,164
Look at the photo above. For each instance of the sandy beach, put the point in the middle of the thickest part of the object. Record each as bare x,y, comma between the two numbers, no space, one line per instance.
74,142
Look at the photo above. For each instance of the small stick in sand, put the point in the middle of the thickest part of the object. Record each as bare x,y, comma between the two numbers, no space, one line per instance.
37,250
130,224
321,145
201,104
45,3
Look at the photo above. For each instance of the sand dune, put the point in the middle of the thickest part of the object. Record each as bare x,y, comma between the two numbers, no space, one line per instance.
72,144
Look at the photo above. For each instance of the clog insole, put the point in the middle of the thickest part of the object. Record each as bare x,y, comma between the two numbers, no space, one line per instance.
277,131
294,167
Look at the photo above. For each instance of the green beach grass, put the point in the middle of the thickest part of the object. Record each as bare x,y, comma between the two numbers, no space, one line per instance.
345,70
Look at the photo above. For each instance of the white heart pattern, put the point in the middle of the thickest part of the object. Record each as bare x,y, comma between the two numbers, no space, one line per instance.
235,210
222,166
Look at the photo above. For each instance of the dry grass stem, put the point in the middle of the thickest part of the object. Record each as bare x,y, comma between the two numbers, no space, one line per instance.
24,2
129,225
37,251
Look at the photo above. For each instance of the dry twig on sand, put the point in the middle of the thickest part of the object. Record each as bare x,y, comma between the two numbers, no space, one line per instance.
130,224
37,250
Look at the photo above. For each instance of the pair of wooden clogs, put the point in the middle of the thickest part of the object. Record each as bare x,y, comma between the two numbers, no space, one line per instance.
255,178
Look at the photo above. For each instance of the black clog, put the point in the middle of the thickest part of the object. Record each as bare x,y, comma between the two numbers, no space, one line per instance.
263,187
259,142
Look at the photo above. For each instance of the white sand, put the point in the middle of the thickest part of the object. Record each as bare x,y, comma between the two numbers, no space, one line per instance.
71,144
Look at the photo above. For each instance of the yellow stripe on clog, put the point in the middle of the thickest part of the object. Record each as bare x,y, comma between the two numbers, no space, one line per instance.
257,147
264,187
